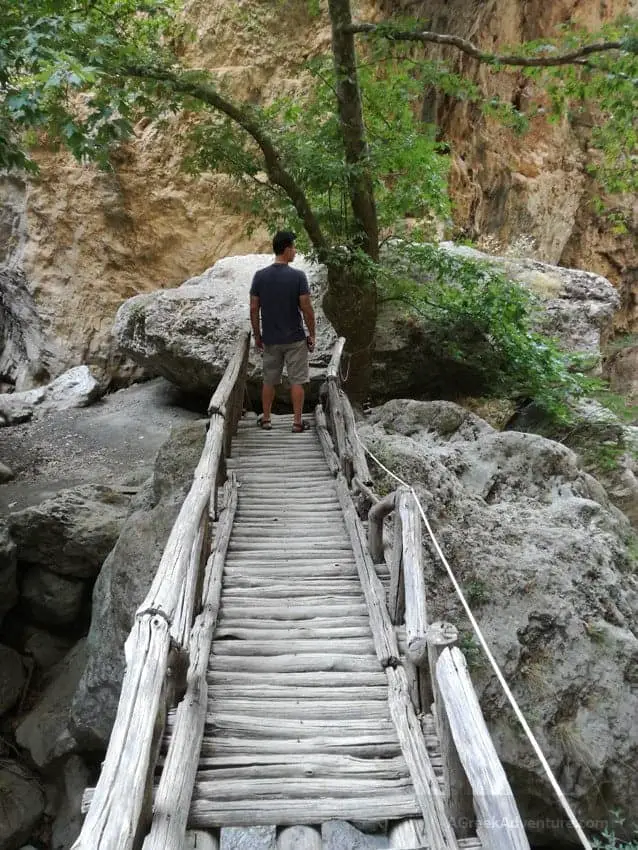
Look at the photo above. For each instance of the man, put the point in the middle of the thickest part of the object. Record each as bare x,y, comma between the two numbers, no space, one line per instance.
281,295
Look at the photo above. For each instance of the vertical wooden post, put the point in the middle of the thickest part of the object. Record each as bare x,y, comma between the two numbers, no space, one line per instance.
413,581
396,593
458,793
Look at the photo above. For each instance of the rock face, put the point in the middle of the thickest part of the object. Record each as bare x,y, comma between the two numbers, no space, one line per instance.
12,678
124,580
83,241
8,585
541,555
51,599
72,533
189,334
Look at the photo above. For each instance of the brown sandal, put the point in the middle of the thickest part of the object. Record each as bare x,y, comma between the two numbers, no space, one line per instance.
264,424
300,427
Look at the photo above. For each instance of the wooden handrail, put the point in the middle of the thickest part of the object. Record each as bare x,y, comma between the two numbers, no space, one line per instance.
119,813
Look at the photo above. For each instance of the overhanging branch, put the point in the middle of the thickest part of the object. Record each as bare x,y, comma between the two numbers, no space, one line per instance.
573,57
277,174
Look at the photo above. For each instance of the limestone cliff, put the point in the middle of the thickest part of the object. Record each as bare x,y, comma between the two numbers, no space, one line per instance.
84,241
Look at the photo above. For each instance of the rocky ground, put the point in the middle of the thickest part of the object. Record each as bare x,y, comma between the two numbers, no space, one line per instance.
113,441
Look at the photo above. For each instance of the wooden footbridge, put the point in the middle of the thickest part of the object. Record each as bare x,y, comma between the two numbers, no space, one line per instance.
282,671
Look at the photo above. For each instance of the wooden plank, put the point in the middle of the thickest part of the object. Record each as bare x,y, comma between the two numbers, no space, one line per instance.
320,678
176,784
439,833
301,788
294,612
363,746
206,813
382,631
297,708
200,840
303,764
279,591
337,695
321,623
263,649
295,728
114,815
305,663
293,634
499,823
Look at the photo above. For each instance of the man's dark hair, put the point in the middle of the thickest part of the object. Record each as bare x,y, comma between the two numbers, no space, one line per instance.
283,239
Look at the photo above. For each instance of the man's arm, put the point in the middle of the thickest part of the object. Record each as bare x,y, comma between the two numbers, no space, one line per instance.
254,320
305,305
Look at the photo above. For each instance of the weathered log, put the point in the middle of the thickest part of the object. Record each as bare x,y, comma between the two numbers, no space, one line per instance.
299,838
326,441
376,516
458,793
332,372
199,840
221,396
439,833
396,591
344,450
415,609
176,783
382,631
114,816
407,834
183,617
359,462
499,823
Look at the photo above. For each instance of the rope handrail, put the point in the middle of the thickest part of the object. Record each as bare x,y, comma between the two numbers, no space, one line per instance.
484,645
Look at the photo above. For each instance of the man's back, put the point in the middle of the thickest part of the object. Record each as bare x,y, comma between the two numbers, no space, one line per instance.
278,288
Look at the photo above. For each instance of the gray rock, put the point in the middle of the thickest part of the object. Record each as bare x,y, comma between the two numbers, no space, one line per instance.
75,777
23,804
50,599
542,556
12,678
74,388
44,732
124,580
248,838
188,334
8,561
72,533
44,648
6,474
341,835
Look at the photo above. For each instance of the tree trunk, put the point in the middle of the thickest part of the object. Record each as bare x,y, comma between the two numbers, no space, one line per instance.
350,304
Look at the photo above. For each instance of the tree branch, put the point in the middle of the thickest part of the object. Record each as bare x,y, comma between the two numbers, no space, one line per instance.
206,93
465,46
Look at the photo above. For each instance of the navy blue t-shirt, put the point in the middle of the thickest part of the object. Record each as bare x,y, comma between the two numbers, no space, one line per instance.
278,288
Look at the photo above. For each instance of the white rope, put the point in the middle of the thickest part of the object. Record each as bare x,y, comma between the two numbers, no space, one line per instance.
519,714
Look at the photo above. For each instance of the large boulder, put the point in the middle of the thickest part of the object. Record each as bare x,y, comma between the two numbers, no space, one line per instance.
189,334
44,732
50,599
542,556
75,388
12,678
72,533
124,580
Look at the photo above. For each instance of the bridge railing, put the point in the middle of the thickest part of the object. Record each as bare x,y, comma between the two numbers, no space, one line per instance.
477,795
162,648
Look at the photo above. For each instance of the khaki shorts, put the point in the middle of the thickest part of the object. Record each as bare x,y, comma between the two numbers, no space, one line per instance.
294,355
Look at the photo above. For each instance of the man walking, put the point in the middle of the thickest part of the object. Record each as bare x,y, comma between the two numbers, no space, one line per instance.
281,295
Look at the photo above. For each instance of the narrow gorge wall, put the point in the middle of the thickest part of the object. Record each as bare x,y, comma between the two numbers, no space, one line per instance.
83,241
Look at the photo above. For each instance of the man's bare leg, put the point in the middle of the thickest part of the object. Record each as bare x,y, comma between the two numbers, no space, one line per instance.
297,399
267,398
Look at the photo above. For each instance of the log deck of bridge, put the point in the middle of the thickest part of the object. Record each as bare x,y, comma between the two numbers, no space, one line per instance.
298,728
